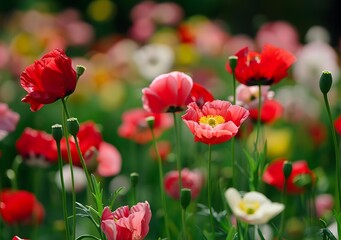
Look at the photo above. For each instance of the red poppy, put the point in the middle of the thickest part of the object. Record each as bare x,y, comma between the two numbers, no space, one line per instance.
218,121
37,147
200,95
135,128
271,110
274,176
48,79
337,125
266,68
20,207
167,93
89,138
18,238
193,180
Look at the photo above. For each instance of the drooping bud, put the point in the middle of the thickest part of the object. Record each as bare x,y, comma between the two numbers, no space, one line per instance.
185,197
326,81
57,132
72,126
80,69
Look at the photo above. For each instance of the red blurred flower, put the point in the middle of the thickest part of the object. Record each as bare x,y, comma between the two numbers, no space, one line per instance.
48,79
271,110
125,223
200,95
164,148
193,180
18,238
135,128
218,121
8,120
274,176
337,125
20,207
37,147
98,155
167,93
266,68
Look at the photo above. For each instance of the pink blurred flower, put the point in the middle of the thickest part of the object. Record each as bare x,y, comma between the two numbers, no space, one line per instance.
125,223
164,148
237,42
167,13
109,160
143,9
248,96
8,120
279,33
18,238
193,180
142,29
167,93
135,128
324,204
218,121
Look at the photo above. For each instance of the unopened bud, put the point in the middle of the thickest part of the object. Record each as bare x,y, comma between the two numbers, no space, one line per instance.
57,132
185,197
150,121
287,169
134,179
326,81
80,70
233,60
72,126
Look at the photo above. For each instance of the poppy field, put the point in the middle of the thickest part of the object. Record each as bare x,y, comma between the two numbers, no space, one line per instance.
174,128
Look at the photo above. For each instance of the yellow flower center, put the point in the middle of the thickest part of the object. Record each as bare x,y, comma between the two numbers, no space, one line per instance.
249,207
212,120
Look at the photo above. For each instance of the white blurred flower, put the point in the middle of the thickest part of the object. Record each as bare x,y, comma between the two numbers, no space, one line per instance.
153,59
248,96
79,178
253,207
317,33
312,59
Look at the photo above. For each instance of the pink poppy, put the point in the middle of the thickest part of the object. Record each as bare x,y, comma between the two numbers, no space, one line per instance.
8,120
109,160
125,223
135,128
167,93
218,121
193,180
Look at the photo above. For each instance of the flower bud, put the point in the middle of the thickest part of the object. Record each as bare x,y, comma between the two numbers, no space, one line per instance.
57,132
134,178
326,81
185,197
80,69
233,60
287,169
150,121
72,126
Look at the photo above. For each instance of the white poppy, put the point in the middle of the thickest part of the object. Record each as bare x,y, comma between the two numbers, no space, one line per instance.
253,207
79,178
153,59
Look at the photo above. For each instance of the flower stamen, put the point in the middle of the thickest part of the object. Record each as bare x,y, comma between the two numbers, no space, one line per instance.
212,120
249,207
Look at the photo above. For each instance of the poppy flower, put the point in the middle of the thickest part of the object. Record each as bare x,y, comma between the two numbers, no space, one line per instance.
337,124
193,180
253,207
98,155
218,121
37,148
18,238
265,68
135,127
48,79
167,93
274,176
164,148
8,120
125,223
271,110
200,95
20,207
79,178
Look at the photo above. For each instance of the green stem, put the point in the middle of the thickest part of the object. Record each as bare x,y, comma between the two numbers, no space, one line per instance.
209,188
162,190
65,214
259,115
177,149
284,201
64,117
234,169
183,214
134,195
